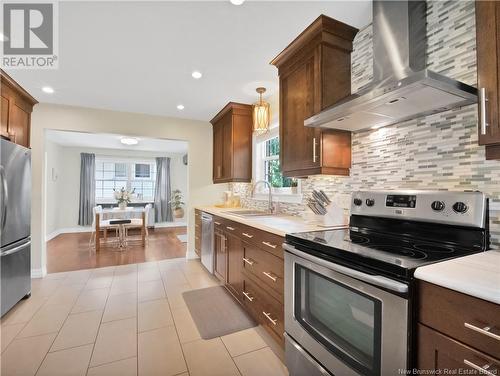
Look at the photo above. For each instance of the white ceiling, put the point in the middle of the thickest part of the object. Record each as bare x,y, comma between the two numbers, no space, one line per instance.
138,56
112,141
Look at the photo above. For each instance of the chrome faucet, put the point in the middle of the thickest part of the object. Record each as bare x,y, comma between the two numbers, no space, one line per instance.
270,204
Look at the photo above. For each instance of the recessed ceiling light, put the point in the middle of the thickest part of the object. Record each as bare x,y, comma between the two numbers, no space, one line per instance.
196,74
129,141
237,2
48,90
180,107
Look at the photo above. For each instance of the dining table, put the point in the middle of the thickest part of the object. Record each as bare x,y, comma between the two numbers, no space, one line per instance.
117,213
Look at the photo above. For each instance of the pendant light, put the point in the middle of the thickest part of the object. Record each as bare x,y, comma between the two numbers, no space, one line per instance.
261,114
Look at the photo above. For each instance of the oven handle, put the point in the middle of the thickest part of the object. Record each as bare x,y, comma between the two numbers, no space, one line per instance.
372,279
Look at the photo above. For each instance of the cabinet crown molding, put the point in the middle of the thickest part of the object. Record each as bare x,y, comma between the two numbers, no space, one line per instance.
323,30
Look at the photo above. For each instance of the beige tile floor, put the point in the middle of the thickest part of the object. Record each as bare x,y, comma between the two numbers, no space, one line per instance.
126,320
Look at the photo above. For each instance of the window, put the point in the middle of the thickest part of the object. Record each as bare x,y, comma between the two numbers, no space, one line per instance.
114,174
267,165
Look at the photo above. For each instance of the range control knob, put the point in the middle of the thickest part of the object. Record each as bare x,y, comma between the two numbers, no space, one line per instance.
460,207
358,202
438,206
370,202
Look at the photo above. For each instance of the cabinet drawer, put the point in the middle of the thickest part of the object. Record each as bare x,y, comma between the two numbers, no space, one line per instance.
262,239
473,321
218,222
443,354
265,266
265,309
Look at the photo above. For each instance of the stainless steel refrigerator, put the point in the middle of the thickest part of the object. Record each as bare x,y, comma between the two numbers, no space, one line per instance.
15,217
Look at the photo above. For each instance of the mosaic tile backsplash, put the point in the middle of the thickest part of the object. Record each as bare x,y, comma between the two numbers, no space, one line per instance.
438,152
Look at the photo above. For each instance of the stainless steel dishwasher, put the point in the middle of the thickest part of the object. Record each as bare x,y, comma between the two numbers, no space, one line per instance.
207,241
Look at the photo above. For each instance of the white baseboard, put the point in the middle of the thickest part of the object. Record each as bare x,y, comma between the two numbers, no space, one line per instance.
67,230
38,273
170,224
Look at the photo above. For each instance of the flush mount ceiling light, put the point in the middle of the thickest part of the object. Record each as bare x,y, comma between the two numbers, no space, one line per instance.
237,2
129,141
196,75
180,107
261,114
48,90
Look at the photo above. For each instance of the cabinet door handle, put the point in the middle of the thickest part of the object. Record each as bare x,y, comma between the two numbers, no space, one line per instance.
247,295
247,235
486,330
482,103
248,261
314,150
484,370
270,276
268,316
217,223
269,244
230,228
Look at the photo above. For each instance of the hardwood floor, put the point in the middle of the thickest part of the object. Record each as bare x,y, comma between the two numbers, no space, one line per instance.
68,252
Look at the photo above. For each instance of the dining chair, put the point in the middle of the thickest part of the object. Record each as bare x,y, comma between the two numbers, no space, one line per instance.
104,225
137,222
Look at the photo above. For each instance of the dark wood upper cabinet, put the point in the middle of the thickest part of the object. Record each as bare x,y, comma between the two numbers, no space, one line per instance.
314,73
232,149
16,107
488,75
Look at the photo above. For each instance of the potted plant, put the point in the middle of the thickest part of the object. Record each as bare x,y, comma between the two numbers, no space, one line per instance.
294,185
123,197
177,204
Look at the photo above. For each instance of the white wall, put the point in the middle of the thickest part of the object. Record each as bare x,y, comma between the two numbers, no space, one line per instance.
63,194
198,134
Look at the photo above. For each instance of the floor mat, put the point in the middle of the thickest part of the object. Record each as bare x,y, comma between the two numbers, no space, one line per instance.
216,313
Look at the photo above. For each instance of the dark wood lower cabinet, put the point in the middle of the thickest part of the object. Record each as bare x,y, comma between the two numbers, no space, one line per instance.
220,254
235,251
250,264
457,333
444,355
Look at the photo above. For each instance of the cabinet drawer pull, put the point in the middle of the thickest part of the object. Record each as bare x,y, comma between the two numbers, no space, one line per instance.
482,370
486,330
247,295
270,276
268,316
217,223
248,261
230,228
247,235
269,244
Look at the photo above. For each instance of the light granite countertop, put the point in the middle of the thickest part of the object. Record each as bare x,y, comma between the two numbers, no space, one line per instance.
275,224
477,275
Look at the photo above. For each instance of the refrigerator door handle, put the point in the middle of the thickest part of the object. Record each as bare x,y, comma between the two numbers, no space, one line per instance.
5,196
16,249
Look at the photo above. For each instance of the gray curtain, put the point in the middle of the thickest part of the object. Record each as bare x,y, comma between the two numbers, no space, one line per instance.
87,189
163,209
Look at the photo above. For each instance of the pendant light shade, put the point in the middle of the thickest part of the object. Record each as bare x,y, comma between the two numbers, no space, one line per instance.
261,114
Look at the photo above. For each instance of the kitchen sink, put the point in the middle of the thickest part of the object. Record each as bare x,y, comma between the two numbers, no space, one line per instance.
249,213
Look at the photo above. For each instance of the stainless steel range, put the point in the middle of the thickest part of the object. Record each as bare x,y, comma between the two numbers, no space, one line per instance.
349,294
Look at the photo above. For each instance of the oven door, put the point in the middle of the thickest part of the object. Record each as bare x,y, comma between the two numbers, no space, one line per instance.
342,318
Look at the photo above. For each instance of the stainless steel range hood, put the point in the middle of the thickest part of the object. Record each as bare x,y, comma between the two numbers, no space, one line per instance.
402,87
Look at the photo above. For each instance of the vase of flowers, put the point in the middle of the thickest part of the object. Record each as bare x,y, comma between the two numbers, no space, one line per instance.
177,204
123,197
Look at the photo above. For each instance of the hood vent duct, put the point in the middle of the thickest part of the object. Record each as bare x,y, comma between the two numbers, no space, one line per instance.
402,87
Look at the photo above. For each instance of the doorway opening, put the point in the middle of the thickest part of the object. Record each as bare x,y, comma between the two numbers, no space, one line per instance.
113,199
